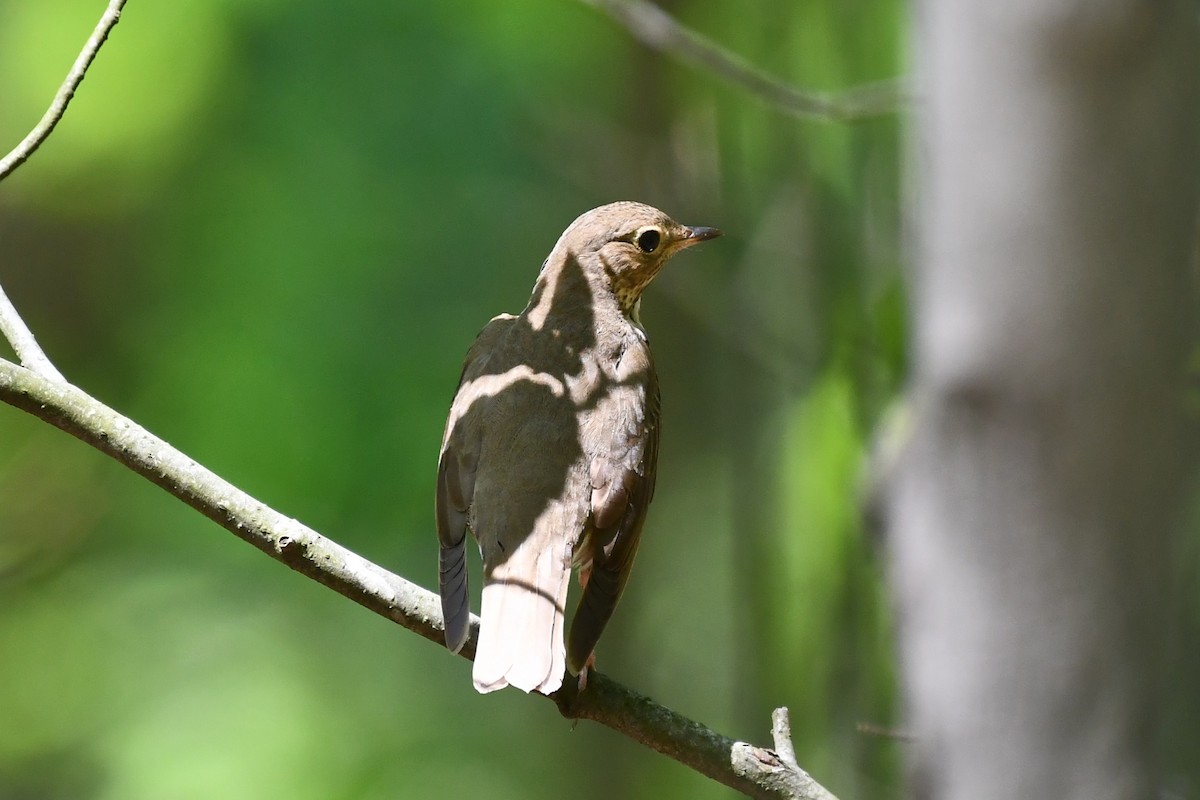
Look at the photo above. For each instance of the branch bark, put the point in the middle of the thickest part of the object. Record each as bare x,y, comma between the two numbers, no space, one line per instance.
58,107
14,329
754,771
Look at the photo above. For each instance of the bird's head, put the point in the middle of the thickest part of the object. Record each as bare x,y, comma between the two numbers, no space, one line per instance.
626,244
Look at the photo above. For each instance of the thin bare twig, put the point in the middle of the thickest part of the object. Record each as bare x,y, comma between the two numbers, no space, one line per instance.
776,771
781,732
656,28
65,92
873,729
752,770
23,344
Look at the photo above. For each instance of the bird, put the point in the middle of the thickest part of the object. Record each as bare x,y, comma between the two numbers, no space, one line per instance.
550,451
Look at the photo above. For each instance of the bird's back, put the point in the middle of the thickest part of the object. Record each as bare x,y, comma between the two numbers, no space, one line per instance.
515,418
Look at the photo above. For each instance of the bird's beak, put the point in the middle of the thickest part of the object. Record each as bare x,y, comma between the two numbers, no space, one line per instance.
693,236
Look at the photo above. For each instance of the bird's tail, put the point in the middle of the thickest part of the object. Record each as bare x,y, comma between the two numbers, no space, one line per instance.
521,633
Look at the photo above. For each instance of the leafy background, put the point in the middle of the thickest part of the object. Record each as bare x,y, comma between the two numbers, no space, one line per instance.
268,231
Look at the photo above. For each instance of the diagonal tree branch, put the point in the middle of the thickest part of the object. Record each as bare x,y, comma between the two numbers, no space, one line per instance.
23,344
58,107
655,28
12,326
755,771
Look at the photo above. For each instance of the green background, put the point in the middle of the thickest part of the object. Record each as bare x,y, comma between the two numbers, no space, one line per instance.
268,232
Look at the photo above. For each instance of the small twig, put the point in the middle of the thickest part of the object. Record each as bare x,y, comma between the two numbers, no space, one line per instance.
311,554
781,733
655,28
23,344
874,729
65,92
775,773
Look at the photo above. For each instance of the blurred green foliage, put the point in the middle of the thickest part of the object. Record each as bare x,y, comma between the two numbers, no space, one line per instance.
268,231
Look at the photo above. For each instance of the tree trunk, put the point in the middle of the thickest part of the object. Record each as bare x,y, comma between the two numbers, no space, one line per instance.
1033,506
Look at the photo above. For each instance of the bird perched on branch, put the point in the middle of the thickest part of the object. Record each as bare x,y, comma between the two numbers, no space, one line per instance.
550,450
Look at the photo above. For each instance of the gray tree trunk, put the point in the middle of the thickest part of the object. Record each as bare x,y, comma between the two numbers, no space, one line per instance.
1032,509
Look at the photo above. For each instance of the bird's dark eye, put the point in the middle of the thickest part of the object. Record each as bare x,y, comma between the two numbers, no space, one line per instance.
648,240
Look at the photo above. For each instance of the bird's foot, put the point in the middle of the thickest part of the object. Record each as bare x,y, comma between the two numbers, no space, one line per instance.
583,673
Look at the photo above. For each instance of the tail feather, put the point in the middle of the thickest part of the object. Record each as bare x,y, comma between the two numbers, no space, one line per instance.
521,634
596,607
452,585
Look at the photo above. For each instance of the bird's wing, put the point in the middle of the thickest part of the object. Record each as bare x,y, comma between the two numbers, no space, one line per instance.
622,479
456,485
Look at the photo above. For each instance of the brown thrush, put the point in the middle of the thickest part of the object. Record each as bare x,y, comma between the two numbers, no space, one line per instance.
550,450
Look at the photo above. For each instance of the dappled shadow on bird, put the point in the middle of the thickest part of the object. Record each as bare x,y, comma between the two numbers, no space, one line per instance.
550,450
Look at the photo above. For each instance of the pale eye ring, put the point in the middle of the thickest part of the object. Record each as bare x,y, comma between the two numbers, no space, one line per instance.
648,239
